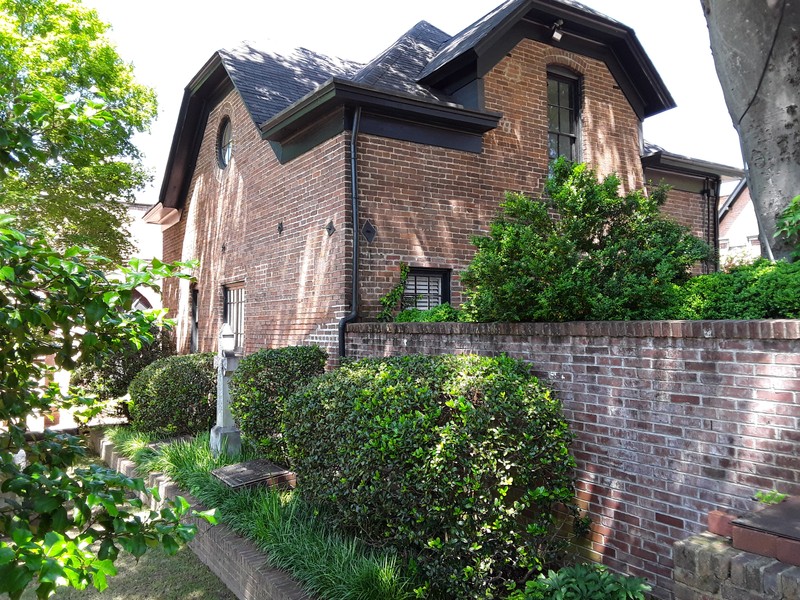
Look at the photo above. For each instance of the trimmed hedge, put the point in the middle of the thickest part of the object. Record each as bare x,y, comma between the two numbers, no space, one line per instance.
761,290
456,461
175,396
259,388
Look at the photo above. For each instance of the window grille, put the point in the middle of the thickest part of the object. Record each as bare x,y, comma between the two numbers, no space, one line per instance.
233,314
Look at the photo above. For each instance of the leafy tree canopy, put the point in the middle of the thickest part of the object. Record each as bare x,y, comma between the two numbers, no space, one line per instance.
53,304
69,107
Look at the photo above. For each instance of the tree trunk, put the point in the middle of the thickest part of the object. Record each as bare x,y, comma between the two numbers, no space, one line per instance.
756,49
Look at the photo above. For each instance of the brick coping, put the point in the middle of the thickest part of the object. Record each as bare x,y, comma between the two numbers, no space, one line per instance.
764,329
237,561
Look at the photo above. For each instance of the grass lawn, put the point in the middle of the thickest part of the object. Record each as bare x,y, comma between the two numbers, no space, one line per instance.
155,577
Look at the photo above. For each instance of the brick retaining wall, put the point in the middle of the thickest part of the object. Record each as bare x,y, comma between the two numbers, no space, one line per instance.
672,419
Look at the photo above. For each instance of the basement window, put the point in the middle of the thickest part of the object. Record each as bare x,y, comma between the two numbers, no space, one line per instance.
426,288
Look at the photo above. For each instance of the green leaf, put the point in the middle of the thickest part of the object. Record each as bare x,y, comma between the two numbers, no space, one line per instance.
46,504
170,545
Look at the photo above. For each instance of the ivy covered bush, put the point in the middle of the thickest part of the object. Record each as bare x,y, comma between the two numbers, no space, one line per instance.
108,376
581,252
456,461
761,290
259,388
175,396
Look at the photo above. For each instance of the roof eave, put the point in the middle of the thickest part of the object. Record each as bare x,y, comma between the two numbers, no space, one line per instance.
208,82
338,92
690,166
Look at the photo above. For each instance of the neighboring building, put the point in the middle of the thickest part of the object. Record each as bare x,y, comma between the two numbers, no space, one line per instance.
146,241
738,228
695,191
275,156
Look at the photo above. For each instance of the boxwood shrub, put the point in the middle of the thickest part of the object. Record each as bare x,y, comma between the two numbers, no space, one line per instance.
175,395
458,462
259,388
761,290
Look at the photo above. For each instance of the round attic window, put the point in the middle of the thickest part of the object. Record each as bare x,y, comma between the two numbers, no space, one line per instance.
224,143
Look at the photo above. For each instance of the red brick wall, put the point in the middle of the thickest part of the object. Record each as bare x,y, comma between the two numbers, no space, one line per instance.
295,281
672,419
427,202
689,209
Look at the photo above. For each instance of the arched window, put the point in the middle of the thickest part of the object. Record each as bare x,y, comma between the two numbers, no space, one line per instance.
224,143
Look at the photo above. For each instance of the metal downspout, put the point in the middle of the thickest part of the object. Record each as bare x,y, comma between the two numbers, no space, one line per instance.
354,208
717,191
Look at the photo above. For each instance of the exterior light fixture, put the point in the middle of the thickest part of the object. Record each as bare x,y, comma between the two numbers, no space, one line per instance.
555,30
227,340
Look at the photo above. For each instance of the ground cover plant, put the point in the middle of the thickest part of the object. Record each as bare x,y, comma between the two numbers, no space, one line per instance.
583,582
259,388
456,462
289,531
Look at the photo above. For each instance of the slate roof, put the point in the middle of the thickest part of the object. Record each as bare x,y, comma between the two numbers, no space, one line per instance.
399,66
269,82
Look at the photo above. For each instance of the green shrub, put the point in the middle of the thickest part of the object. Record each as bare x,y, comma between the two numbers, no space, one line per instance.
110,374
457,461
583,252
175,395
259,388
438,314
762,290
583,582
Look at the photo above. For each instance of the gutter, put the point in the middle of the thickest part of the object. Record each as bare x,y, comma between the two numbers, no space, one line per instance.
354,208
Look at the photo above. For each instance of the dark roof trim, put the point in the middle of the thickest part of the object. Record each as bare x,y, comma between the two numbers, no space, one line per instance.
210,83
336,93
477,49
666,161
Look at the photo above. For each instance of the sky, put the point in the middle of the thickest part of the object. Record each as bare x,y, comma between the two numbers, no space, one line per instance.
168,41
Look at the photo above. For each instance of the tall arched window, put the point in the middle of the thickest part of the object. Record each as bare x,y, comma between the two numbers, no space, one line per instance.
224,143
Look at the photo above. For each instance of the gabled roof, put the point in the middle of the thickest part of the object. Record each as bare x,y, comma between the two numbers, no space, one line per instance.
476,49
268,82
424,87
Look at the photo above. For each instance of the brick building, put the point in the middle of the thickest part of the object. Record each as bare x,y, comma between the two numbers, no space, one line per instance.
302,182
